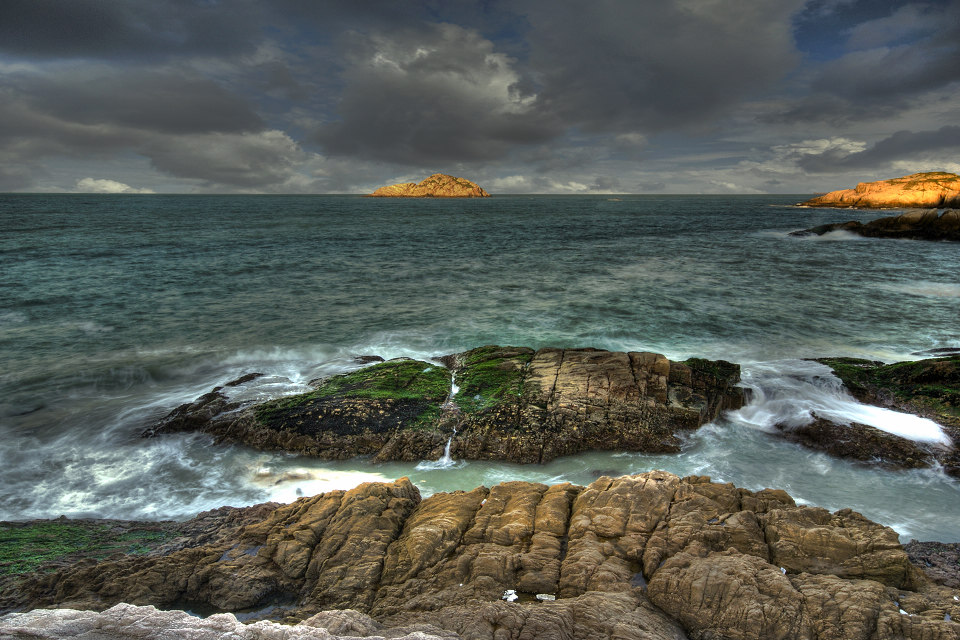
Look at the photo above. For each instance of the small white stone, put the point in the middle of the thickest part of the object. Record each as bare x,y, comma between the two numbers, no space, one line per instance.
545,596
510,595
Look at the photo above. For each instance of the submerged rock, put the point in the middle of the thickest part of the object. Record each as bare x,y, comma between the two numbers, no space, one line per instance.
914,225
439,185
718,561
513,403
928,388
920,190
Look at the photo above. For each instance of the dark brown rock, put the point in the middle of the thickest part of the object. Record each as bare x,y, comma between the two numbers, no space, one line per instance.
514,404
913,225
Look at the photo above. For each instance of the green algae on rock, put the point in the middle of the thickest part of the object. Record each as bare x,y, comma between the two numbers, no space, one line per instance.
512,403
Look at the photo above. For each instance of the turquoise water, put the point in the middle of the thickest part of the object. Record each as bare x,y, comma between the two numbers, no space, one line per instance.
114,309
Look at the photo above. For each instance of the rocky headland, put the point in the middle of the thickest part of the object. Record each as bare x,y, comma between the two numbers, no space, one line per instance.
912,225
511,403
936,189
650,556
439,185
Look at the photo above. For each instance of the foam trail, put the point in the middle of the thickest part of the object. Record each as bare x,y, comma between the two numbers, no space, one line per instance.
445,461
790,392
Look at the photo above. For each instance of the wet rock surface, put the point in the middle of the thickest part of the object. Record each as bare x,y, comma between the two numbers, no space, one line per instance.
645,556
928,388
514,403
923,190
913,225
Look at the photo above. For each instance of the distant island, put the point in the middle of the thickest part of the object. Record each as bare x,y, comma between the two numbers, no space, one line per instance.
936,189
439,185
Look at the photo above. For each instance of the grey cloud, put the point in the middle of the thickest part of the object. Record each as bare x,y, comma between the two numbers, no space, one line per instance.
646,66
259,161
446,95
126,28
902,145
156,101
879,82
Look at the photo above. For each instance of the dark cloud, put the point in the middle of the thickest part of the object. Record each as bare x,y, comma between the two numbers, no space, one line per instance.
156,101
262,161
649,66
441,96
902,145
891,61
127,28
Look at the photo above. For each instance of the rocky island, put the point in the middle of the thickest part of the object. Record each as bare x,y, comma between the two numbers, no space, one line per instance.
491,403
439,185
650,556
936,189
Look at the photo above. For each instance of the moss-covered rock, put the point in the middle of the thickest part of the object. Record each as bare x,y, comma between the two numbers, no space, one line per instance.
512,403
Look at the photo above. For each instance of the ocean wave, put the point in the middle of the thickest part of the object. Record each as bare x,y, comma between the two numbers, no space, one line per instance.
791,392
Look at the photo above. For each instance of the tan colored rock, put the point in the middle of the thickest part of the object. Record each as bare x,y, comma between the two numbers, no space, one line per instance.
439,185
722,562
844,544
729,595
919,190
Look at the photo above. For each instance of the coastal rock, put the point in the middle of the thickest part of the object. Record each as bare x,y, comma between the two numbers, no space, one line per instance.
939,561
936,189
439,185
125,621
513,404
645,556
913,225
928,388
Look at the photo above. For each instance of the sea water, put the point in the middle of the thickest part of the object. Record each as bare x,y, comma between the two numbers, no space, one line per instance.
114,309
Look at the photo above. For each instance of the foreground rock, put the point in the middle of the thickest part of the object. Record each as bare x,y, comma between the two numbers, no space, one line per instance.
928,388
936,189
513,404
129,621
914,225
439,185
646,556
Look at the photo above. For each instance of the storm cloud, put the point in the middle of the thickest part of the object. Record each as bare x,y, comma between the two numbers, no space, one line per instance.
527,95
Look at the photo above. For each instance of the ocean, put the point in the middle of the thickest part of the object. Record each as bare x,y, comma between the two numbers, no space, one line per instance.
114,309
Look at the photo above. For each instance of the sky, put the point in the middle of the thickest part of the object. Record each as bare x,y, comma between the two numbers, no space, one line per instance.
520,96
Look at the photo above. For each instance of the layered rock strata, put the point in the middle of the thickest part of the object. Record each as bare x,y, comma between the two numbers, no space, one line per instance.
439,185
913,225
936,189
645,556
929,388
513,404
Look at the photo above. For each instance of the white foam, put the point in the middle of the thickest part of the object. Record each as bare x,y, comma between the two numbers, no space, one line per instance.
924,288
790,392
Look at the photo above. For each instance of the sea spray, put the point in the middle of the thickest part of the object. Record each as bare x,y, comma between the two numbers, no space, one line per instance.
790,393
